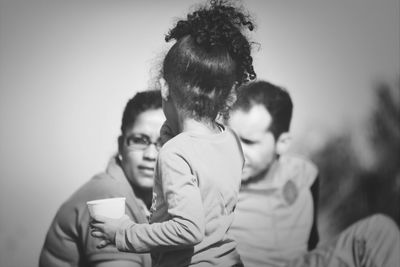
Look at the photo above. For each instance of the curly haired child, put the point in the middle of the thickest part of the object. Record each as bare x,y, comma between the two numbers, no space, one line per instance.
198,170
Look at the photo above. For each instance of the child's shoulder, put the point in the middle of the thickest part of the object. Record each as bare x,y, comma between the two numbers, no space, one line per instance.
177,144
233,134
185,141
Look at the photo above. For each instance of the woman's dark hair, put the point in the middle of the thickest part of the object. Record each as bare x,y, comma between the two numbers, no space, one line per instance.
275,99
210,55
141,102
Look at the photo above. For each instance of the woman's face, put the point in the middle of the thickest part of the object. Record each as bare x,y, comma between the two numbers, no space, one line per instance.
139,148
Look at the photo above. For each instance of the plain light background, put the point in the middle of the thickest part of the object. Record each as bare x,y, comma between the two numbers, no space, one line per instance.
67,69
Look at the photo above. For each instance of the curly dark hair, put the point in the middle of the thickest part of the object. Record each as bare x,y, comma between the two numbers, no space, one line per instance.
210,55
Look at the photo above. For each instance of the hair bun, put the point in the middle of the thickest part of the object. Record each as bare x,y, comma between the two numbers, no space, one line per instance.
219,25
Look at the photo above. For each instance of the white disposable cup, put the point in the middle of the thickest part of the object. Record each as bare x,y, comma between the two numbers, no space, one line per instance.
107,207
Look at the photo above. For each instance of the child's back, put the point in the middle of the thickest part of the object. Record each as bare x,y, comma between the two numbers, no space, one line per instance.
201,176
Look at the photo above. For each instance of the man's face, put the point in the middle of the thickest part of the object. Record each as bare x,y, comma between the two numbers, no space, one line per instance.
138,148
258,143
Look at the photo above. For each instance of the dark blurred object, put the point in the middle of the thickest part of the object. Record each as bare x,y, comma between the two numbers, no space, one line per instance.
350,190
383,181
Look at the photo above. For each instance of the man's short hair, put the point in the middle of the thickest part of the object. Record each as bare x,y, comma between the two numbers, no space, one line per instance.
141,102
275,99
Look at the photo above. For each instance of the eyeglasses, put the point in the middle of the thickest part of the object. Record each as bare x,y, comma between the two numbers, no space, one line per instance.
141,142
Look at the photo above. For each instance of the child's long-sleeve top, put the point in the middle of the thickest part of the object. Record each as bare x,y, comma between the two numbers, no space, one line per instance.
195,192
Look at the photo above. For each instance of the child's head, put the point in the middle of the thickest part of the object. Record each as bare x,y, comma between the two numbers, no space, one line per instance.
261,117
210,57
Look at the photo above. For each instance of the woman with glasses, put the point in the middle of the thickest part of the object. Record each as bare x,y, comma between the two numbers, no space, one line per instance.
129,174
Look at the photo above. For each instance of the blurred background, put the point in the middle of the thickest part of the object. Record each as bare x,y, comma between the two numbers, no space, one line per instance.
67,69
